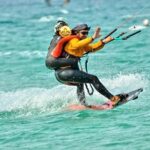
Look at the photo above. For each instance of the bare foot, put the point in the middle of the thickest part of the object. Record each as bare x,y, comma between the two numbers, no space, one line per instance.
115,99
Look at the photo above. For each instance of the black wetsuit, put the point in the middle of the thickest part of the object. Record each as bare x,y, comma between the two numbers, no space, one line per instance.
72,75
56,63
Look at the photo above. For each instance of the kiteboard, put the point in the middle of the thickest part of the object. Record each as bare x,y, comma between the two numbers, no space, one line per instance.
125,97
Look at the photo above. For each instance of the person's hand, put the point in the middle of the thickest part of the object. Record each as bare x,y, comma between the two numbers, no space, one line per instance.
108,39
96,33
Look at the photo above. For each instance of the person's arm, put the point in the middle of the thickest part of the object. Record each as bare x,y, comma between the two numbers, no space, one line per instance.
95,46
98,45
76,47
76,43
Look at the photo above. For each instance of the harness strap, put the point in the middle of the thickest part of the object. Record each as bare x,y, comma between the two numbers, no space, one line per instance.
86,68
86,85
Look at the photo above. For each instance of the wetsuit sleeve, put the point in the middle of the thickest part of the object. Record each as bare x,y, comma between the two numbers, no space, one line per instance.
94,47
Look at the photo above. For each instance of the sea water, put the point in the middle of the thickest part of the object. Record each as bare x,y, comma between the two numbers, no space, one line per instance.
33,103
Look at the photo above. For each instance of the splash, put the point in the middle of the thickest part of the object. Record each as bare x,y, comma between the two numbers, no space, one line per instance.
34,98
40,100
121,83
126,82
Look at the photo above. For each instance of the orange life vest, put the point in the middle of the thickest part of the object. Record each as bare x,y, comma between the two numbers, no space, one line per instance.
57,51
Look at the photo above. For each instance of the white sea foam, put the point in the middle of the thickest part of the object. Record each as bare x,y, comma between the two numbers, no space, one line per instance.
35,98
64,11
46,18
121,84
60,18
136,16
57,98
125,83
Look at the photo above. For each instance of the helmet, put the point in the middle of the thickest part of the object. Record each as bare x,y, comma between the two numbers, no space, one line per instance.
81,27
64,31
59,24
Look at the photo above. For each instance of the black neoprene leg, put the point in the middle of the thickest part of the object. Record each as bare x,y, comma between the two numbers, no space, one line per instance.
81,94
77,76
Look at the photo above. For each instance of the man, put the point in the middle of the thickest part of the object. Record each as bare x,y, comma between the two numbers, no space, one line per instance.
72,75
53,61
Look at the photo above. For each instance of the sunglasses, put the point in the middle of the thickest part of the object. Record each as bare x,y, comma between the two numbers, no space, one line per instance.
84,33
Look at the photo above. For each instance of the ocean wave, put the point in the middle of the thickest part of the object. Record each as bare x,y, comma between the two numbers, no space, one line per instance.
40,100
136,16
47,18
52,18
24,54
6,22
64,11
35,99
126,82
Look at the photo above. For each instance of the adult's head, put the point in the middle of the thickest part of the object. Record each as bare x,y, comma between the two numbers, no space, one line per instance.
81,30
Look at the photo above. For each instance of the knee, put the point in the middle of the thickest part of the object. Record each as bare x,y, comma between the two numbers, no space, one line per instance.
51,63
47,62
64,75
95,79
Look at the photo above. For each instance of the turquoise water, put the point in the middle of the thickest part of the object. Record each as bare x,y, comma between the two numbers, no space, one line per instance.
33,104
